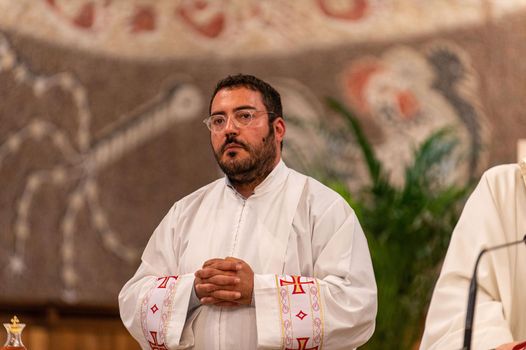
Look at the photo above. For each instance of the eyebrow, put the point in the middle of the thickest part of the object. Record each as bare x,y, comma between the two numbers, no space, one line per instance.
235,109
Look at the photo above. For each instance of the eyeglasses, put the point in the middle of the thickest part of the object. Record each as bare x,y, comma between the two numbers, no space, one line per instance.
241,118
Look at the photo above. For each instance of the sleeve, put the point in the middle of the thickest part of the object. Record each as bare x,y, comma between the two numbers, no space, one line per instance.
154,303
479,226
333,309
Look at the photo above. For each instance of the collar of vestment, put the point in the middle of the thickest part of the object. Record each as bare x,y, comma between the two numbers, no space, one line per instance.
271,182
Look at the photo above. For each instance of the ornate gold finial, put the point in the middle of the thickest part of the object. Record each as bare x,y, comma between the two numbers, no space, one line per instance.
15,325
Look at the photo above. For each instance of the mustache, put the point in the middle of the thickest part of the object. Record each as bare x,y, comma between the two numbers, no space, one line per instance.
233,141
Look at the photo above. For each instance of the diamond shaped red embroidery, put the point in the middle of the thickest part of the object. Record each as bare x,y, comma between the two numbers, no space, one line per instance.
154,308
301,315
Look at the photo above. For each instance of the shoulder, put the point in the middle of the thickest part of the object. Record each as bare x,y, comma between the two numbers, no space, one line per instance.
503,178
319,197
203,191
501,185
194,199
315,187
502,171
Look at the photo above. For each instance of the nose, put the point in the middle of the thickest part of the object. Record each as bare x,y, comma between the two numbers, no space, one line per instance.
231,127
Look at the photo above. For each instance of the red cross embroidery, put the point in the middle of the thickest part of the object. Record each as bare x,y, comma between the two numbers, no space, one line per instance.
302,344
155,345
298,288
165,281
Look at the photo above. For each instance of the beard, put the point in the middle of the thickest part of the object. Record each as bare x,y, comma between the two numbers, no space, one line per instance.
253,169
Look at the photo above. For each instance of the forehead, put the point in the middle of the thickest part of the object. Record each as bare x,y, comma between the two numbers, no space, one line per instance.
229,99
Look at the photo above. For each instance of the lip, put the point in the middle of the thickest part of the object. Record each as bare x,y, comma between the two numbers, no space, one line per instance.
233,146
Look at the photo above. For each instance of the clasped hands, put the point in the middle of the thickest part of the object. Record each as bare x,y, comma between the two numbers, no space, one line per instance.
224,282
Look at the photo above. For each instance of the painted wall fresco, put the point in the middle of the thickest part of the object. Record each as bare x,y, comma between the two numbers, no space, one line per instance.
103,101
188,28
409,94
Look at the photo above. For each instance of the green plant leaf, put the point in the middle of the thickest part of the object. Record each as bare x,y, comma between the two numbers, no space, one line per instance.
407,228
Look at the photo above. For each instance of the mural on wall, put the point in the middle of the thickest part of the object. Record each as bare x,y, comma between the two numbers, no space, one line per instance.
103,102
186,28
81,159
311,137
409,95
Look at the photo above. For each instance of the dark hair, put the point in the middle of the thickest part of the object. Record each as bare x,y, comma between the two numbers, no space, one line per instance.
271,98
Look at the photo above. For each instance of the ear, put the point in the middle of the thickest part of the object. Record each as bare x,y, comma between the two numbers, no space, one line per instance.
279,129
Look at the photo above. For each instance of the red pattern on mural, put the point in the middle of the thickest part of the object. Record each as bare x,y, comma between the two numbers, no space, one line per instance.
192,12
83,17
407,104
356,79
86,16
143,19
385,87
207,18
356,9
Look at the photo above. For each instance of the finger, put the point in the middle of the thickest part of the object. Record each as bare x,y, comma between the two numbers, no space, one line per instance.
211,261
209,300
234,259
205,288
239,262
227,295
217,302
227,287
225,265
210,272
223,280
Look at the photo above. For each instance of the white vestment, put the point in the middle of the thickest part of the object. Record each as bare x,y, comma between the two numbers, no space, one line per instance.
494,214
314,284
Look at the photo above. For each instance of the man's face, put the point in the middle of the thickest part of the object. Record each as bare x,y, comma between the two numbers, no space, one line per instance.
245,153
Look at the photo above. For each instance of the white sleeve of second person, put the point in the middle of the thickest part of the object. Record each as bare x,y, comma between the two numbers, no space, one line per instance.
479,226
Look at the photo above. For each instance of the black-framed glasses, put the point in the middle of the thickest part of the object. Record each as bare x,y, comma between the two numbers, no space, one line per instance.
241,118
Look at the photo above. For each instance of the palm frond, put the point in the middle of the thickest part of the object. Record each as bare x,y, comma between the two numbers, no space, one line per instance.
407,228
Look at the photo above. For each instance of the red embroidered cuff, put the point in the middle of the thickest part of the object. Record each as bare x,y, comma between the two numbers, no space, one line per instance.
156,310
300,311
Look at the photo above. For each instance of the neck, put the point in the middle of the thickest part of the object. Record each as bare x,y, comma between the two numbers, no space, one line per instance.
246,190
246,186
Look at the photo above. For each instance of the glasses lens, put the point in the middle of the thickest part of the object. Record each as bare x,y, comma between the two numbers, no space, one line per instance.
216,122
244,117
241,118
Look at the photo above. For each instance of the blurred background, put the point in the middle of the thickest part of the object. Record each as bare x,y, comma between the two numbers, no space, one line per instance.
101,109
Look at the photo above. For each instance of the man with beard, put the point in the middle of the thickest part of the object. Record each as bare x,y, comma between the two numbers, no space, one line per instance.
265,258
